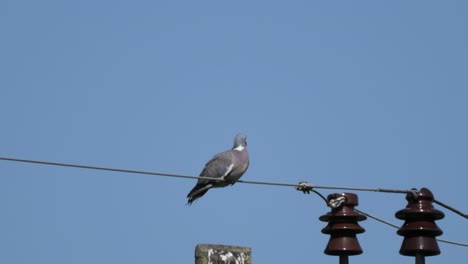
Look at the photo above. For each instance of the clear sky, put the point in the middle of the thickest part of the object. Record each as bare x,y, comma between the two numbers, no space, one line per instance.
337,93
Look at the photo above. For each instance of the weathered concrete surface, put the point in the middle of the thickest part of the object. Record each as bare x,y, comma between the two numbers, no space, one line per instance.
222,254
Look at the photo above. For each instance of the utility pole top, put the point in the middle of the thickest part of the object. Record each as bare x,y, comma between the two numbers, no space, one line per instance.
222,254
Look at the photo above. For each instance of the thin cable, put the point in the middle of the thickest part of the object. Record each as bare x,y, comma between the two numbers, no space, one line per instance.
376,218
321,196
217,179
452,242
450,208
330,187
195,177
107,169
395,226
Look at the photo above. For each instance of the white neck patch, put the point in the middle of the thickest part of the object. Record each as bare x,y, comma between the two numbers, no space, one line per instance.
240,148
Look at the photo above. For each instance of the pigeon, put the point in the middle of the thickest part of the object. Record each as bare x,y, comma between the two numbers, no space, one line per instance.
228,165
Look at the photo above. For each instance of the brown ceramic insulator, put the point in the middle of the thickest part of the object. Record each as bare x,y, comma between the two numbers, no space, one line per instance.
419,229
343,227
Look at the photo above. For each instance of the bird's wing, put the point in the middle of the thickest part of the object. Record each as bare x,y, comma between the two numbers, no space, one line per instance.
219,166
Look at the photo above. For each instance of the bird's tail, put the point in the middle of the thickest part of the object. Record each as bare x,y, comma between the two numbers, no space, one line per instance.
198,191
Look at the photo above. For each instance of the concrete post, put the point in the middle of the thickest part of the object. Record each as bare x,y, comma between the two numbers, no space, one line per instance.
222,254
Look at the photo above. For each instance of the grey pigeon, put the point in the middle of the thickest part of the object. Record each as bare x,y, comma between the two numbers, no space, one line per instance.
229,165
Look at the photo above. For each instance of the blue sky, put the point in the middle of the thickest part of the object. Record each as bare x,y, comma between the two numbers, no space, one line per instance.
362,93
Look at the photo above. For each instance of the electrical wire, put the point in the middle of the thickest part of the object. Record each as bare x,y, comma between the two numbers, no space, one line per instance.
450,208
195,177
397,227
250,182
189,176
217,179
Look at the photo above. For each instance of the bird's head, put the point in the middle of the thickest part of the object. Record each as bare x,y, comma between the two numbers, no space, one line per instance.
240,142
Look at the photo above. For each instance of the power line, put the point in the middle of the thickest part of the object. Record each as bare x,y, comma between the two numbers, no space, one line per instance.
217,179
301,186
196,177
100,168
450,208
395,226
376,218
